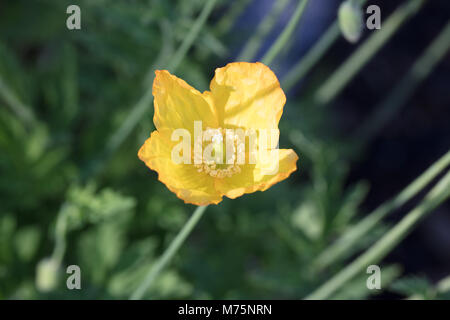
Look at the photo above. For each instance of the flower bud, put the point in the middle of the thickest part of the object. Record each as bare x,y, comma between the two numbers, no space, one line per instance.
350,20
47,275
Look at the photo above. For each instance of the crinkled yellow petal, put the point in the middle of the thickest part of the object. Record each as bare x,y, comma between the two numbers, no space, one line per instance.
178,105
247,95
182,179
253,178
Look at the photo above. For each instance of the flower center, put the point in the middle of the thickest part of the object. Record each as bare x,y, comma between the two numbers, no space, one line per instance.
219,148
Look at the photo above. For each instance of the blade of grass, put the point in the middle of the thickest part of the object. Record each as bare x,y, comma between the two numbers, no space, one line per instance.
265,26
421,69
340,247
286,34
168,254
345,73
438,194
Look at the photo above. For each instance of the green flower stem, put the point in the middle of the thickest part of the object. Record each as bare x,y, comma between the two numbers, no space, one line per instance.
340,247
168,254
421,69
301,68
265,26
345,73
60,236
22,111
437,195
283,39
226,22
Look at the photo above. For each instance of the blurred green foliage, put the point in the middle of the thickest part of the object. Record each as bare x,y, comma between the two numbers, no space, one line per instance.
63,94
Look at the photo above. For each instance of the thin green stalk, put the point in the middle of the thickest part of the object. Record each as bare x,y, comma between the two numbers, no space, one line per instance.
421,69
60,236
342,246
345,73
301,68
165,52
437,195
265,26
307,147
226,22
136,114
282,40
168,254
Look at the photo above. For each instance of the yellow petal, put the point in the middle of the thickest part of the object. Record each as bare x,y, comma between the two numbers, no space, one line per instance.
247,95
182,179
178,105
253,178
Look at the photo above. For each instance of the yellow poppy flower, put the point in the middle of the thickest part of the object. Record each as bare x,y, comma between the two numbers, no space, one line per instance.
242,95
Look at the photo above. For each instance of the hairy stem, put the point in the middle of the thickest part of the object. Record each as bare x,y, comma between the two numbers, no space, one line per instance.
282,40
168,254
252,46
